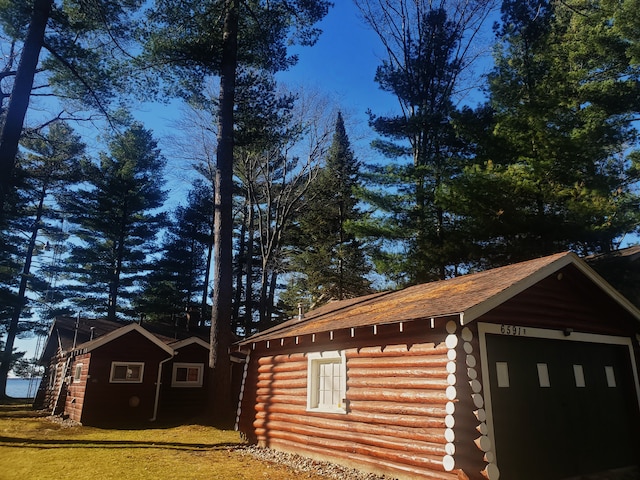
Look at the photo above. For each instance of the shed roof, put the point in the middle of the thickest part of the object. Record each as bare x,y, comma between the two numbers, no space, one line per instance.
109,337
66,332
467,297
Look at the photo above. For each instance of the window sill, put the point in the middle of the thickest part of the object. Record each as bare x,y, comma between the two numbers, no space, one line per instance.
340,411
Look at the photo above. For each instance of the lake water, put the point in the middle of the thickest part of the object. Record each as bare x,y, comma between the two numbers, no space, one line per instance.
22,387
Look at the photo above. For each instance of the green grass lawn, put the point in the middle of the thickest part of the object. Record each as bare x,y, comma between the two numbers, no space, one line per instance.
33,447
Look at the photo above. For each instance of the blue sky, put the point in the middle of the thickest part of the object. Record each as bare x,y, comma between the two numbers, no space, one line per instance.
342,65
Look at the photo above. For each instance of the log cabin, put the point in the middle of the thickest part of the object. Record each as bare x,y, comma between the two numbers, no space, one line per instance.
103,373
528,371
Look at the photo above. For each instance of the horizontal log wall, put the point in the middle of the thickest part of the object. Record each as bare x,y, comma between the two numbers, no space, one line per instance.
77,388
395,422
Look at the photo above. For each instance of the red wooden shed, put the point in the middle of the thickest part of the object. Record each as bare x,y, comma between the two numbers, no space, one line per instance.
528,371
114,378
121,375
184,380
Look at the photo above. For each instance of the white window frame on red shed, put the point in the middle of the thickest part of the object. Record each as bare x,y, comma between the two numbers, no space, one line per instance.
116,366
327,382
191,368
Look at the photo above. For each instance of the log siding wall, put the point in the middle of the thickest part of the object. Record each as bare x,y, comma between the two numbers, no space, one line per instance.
77,388
397,405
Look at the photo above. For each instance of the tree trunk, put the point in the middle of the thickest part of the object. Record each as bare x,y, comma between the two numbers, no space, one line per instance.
12,331
239,273
19,101
205,290
248,299
219,360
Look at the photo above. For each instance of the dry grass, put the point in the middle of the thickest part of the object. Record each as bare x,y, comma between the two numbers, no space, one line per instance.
36,448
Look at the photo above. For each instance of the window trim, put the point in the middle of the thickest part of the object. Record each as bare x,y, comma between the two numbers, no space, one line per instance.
314,360
187,384
126,364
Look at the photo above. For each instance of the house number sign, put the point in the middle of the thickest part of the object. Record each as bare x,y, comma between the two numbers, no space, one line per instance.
513,330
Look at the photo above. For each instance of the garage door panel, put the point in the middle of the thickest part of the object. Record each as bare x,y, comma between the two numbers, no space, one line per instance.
560,411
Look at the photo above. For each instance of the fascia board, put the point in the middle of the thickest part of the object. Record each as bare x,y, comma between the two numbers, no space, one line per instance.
109,337
188,341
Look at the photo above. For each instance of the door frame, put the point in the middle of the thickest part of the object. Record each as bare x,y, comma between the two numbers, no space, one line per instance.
531,332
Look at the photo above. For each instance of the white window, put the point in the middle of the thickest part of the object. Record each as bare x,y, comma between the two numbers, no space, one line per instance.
502,370
611,376
543,375
123,372
578,373
187,375
77,373
327,382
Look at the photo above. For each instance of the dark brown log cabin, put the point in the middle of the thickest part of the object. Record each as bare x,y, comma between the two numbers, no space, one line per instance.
528,371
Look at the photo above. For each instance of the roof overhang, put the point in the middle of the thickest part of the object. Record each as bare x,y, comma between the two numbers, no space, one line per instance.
111,336
473,313
189,341
536,271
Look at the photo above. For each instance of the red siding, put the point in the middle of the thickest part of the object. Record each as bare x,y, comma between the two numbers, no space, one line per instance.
184,402
109,403
415,393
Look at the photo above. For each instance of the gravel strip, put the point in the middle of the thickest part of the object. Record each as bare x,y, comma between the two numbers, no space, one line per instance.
303,464
64,422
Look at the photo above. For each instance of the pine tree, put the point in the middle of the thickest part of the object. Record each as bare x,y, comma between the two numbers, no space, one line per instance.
419,236
332,261
176,284
49,166
200,39
81,40
563,101
116,222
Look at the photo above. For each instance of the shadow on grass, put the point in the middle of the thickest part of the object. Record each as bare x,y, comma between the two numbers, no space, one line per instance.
23,408
25,442
19,408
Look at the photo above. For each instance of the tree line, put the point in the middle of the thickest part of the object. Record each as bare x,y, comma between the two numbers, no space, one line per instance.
282,212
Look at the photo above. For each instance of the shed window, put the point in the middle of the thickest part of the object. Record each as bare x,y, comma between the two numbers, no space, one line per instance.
327,382
187,375
502,369
122,372
611,376
543,375
77,373
578,373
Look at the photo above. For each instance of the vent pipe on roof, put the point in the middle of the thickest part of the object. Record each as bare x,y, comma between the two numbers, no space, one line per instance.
300,312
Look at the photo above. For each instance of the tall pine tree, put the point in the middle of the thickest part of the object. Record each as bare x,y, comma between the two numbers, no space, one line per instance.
116,221
48,167
197,39
560,156
420,237
177,284
332,262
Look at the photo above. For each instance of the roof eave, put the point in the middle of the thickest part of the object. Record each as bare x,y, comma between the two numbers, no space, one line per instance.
475,312
109,337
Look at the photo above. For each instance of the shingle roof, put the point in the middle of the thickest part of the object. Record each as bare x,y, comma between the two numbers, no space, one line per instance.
466,296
